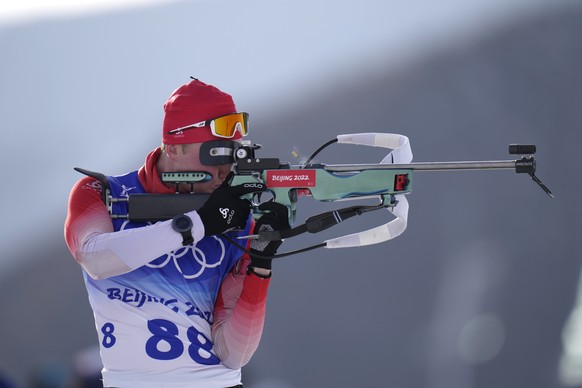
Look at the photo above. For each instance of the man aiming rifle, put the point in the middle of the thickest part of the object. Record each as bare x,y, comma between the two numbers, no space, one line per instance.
175,303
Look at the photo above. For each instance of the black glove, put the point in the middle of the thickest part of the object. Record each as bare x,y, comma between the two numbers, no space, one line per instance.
277,218
225,210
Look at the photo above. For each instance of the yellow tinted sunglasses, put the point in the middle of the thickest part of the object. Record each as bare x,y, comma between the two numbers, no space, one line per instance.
223,126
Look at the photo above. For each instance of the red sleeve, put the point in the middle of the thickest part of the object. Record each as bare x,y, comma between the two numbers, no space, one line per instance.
103,253
239,315
86,214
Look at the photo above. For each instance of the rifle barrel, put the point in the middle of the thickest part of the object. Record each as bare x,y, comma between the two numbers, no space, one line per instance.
428,166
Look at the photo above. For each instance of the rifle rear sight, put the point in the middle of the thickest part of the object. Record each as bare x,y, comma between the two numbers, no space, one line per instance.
245,160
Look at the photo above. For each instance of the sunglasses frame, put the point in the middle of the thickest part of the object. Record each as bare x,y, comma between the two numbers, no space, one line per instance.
210,123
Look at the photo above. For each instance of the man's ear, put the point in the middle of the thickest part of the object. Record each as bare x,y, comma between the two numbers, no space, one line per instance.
172,151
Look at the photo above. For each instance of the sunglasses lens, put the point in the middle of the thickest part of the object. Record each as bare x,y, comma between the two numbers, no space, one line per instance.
226,126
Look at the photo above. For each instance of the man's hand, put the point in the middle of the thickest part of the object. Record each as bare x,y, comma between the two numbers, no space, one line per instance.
277,218
225,210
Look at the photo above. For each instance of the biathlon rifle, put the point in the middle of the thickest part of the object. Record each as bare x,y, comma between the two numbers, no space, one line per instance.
388,181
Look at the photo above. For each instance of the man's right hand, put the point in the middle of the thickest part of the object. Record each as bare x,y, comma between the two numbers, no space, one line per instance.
225,210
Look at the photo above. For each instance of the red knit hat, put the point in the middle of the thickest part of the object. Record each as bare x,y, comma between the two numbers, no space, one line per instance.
191,104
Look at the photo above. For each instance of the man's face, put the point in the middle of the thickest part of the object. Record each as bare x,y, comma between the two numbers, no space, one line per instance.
188,159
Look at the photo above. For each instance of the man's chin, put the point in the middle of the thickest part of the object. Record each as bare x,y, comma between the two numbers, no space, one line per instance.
205,189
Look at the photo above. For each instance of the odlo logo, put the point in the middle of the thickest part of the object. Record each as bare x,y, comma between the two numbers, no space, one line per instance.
253,186
226,214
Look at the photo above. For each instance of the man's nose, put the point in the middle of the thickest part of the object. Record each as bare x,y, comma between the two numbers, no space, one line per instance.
223,172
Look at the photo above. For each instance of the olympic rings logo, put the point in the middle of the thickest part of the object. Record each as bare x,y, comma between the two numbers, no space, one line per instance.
201,260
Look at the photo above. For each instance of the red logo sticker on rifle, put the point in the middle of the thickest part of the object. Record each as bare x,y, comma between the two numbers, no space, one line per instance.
291,178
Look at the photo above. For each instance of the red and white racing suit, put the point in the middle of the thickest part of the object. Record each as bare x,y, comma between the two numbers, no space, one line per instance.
166,315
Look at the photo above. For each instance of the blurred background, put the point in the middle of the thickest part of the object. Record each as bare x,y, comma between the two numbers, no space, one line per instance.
482,288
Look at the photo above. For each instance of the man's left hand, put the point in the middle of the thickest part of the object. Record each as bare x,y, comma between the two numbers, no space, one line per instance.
276,218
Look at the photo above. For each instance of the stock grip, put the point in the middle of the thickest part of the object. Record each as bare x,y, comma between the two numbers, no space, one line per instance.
284,195
161,207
